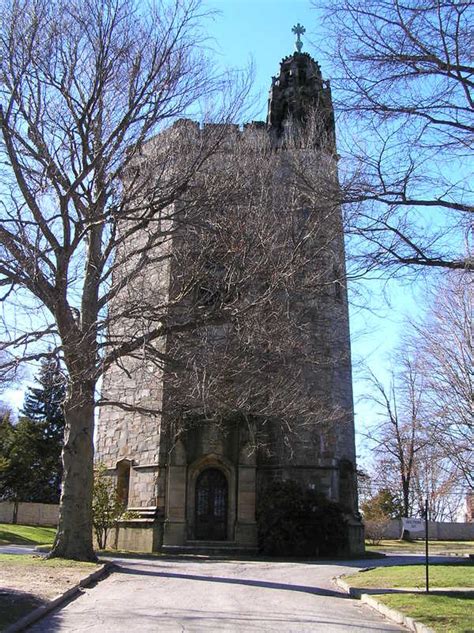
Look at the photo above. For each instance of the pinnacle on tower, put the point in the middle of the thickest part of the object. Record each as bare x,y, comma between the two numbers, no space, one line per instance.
298,93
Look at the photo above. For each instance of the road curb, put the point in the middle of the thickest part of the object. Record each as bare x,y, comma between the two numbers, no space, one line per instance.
40,612
391,614
396,616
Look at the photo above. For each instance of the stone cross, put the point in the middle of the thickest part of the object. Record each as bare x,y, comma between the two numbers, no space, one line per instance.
298,30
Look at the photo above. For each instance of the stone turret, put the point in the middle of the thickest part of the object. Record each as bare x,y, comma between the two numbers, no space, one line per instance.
298,95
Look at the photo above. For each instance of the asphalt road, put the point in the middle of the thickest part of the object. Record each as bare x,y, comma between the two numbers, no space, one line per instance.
208,595
17,549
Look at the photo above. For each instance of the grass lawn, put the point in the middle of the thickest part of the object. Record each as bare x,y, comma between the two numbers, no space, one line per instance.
441,575
39,563
30,581
26,534
454,547
444,613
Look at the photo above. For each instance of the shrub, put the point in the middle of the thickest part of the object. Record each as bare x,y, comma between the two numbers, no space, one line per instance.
377,512
375,529
107,508
383,504
294,521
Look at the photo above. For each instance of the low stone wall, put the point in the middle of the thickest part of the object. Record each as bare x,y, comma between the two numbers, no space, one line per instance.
437,531
30,513
136,535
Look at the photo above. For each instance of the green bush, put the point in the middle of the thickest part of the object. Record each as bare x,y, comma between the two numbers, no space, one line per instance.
377,512
107,507
295,521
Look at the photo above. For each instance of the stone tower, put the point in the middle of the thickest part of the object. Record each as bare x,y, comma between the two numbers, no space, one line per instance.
203,484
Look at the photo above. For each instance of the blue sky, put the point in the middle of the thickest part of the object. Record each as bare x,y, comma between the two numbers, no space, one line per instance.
260,30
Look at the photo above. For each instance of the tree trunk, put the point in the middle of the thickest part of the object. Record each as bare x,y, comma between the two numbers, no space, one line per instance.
74,535
406,497
15,512
406,507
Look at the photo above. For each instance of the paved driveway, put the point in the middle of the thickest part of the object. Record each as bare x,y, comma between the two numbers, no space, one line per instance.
17,549
208,595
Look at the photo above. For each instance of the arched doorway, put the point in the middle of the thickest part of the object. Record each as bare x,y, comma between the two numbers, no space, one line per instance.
211,505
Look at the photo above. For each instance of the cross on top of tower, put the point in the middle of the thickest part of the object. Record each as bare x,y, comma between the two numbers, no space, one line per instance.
298,30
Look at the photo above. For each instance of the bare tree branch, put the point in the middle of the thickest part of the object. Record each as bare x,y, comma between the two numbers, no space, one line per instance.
404,90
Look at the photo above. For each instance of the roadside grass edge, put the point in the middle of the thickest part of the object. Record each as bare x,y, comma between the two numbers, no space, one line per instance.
392,614
411,606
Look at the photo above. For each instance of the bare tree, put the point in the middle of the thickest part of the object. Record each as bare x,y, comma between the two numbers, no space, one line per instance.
404,90
437,481
444,341
399,437
83,85
411,459
10,372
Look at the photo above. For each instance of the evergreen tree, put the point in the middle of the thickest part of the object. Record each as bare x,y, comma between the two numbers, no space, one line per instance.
43,404
30,450
25,467
43,408
383,504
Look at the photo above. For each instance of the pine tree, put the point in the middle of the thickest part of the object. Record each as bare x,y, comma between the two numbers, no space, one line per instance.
44,403
43,410
25,471
30,449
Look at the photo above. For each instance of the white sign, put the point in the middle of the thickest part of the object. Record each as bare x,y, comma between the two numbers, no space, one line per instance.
414,525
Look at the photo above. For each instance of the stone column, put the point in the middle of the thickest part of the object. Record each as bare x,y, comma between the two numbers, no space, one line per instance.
175,517
246,526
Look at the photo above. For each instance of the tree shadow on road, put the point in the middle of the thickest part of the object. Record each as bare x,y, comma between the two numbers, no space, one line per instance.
236,581
16,604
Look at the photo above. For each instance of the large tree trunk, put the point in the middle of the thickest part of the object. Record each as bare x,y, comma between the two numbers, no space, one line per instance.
74,536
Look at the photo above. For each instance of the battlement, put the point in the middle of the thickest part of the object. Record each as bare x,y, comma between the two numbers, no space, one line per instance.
223,137
299,101
220,128
314,131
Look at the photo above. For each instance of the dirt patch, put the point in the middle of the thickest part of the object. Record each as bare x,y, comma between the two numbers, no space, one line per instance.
27,582
41,581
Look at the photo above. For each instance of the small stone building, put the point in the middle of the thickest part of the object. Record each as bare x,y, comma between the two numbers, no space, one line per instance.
200,488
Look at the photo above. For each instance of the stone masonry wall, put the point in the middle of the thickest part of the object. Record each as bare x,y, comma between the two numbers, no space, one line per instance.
437,531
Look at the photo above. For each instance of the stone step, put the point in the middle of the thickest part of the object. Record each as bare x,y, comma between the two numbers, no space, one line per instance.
145,513
202,543
144,508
